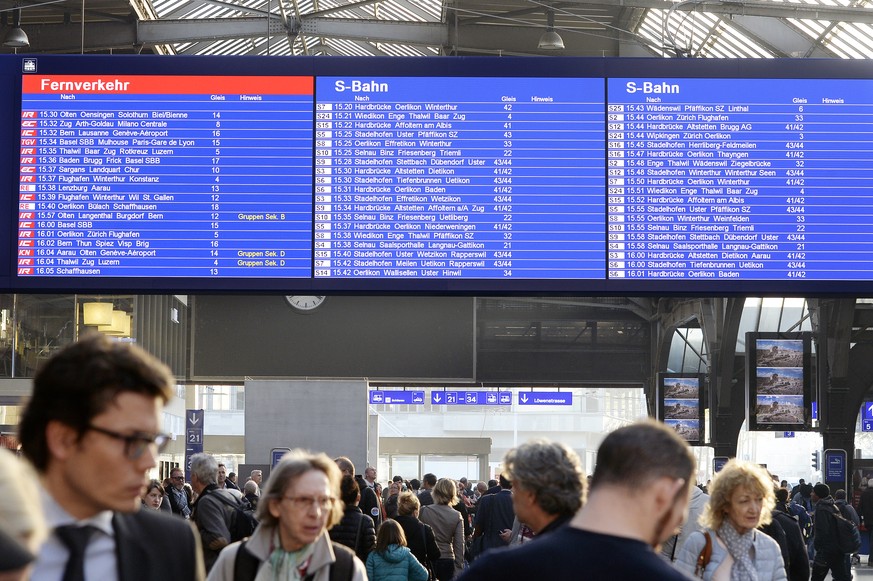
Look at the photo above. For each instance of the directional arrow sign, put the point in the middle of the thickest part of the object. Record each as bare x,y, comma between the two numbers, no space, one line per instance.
546,398
193,437
471,397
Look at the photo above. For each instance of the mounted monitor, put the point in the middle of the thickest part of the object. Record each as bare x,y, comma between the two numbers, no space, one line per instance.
779,381
437,175
680,404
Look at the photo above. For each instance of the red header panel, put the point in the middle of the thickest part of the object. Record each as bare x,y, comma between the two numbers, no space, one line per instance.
165,84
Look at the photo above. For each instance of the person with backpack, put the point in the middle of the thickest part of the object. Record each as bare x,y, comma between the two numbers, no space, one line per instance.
392,560
730,547
211,511
297,507
829,528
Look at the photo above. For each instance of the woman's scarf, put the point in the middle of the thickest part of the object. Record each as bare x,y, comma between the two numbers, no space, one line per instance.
740,548
289,565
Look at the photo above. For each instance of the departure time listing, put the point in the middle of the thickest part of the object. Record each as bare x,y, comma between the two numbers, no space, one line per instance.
724,179
459,178
153,176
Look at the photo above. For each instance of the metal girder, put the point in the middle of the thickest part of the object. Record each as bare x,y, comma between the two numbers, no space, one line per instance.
426,33
113,35
750,8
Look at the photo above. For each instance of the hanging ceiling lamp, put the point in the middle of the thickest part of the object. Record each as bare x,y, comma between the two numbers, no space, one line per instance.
551,40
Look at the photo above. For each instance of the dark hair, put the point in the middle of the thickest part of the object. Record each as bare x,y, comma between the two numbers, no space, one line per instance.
390,533
415,484
782,494
492,483
635,455
397,478
429,479
154,483
822,490
349,490
80,382
505,483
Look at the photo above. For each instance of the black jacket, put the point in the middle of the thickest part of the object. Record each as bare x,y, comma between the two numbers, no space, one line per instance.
419,539
797,566
356,531
155,547
825,537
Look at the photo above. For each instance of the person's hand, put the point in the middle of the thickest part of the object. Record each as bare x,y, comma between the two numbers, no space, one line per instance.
505,535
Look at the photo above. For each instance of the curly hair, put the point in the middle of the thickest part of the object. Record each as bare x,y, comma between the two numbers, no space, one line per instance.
552,471
738,474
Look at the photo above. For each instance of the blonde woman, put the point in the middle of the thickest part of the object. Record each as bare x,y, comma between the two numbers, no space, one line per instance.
741,499
448,529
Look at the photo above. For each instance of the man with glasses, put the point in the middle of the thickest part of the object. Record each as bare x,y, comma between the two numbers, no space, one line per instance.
91,429
177,494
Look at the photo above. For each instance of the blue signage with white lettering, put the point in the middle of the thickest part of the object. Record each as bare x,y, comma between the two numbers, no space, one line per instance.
718,463
193,437
456,397
867,416
400,397
545,398
835,466
276,455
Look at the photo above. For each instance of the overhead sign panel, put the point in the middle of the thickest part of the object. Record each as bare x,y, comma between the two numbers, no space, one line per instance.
455,397
397,397
545,398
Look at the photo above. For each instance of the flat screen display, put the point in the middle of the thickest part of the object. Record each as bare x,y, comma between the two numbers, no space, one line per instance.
681,405
317,176
779,381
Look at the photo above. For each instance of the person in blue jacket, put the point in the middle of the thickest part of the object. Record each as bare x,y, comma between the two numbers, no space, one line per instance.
392,560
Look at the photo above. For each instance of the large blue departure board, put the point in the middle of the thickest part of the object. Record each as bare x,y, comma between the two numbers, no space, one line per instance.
459,178
165,176
444,176
740,179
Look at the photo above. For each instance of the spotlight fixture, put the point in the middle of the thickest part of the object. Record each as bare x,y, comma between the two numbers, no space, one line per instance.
551,40
16,38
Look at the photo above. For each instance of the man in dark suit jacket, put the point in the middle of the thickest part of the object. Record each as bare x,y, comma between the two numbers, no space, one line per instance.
91,430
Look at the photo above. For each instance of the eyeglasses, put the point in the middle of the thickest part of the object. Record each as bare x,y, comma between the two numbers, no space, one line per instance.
302,503
135,444
177,478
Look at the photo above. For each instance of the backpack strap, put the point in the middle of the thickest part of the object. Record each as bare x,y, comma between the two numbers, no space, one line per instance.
245,566
705,555
342,569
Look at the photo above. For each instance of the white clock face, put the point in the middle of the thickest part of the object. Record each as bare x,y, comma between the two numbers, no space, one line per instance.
304,304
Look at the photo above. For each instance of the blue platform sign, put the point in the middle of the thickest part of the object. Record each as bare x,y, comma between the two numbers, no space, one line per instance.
456,397
276,455
545,398
835,466
718,463
397,397
193,437
867,416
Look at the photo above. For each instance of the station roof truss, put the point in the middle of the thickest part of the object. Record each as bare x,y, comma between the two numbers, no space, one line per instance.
594,28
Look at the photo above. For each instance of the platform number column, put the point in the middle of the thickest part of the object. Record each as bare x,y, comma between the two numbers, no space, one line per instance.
323,187
615,189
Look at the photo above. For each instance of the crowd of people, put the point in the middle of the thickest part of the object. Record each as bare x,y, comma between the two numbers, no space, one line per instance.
79,507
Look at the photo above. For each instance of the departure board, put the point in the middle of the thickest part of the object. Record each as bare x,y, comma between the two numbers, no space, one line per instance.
470,175
459,178
165,176
740,179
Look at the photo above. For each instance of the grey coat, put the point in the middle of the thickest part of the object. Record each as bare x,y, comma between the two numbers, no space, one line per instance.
767,556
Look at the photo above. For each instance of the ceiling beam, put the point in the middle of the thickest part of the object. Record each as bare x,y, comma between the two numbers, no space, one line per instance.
749,8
